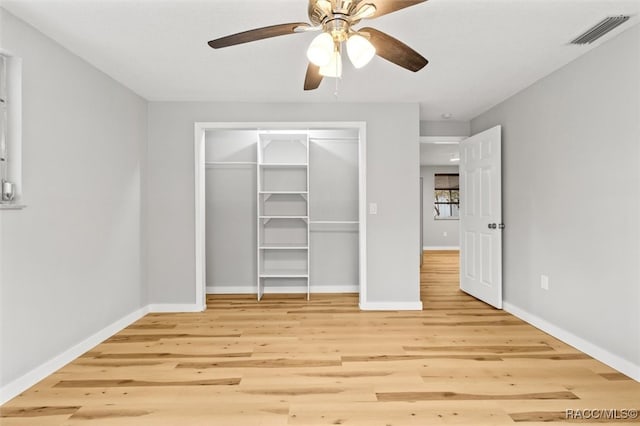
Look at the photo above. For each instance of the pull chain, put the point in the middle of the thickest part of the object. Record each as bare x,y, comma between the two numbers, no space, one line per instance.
338,71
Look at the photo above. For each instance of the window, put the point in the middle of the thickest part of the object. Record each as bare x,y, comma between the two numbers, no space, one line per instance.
3,119
446,196
10,125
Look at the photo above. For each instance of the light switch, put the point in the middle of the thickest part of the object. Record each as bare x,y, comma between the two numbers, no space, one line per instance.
544,282
373,208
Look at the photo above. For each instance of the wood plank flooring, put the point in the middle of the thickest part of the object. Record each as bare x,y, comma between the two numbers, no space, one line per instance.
286,361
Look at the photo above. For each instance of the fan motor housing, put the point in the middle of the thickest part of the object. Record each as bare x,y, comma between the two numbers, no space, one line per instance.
338,26
318,15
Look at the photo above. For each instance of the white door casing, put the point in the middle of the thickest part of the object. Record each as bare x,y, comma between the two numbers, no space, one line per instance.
199,228
481,216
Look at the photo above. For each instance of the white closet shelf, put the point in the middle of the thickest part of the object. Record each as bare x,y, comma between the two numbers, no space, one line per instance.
284,192
283,165
284,217
284,246
283,169
284,274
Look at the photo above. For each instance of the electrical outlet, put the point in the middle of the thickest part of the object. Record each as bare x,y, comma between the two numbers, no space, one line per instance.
544,282
444,234
373,208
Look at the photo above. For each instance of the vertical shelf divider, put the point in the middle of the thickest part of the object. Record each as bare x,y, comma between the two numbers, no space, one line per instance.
258,213
308,189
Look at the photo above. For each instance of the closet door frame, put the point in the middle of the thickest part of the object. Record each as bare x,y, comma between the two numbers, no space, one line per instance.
200,202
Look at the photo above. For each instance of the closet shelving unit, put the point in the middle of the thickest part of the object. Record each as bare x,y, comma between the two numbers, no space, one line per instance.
283,210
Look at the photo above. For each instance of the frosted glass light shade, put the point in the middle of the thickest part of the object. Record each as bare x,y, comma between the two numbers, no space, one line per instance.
360,50
320,50
334,67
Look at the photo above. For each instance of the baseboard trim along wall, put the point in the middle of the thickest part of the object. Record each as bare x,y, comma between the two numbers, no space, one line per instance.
315,288
602,355
173,307
391,306
439,248
13,389
231,289
319,288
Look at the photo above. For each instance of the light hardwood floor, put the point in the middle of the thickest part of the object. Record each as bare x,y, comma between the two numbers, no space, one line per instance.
286,361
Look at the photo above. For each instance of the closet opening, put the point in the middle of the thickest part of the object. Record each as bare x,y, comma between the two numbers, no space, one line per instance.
280,208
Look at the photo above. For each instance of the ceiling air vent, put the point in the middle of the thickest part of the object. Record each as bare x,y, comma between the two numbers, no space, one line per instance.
600,29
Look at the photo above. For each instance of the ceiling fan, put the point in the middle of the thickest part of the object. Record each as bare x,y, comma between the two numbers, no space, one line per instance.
336,19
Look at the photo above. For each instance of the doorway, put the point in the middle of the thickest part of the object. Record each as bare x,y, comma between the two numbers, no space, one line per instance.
476,207
439,159
249,160
440,230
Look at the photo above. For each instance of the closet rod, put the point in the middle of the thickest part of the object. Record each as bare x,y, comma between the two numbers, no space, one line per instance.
230,163
334,139
334,222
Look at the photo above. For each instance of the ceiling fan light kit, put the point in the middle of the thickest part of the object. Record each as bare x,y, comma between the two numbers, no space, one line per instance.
334,67
321,50
360,50
336,19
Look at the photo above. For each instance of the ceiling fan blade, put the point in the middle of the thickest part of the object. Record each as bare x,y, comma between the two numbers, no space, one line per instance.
258,34
313,78
393,50
384,7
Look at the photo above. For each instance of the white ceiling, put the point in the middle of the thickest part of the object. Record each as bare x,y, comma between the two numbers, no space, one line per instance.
480,51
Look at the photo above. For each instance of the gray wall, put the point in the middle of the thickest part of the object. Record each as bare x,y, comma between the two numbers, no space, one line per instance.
71,261
571,164
230,192
433,230
333,186
445,128
392,182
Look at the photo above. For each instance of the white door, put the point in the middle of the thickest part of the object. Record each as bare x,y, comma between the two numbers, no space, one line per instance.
481,216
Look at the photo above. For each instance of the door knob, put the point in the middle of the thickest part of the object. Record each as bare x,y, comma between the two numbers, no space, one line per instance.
492,226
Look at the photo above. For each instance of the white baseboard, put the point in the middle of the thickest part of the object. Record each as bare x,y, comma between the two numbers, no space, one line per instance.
174,307
347,288
439,248
391,306
284,289
231,289
19,385
614,361
317,288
